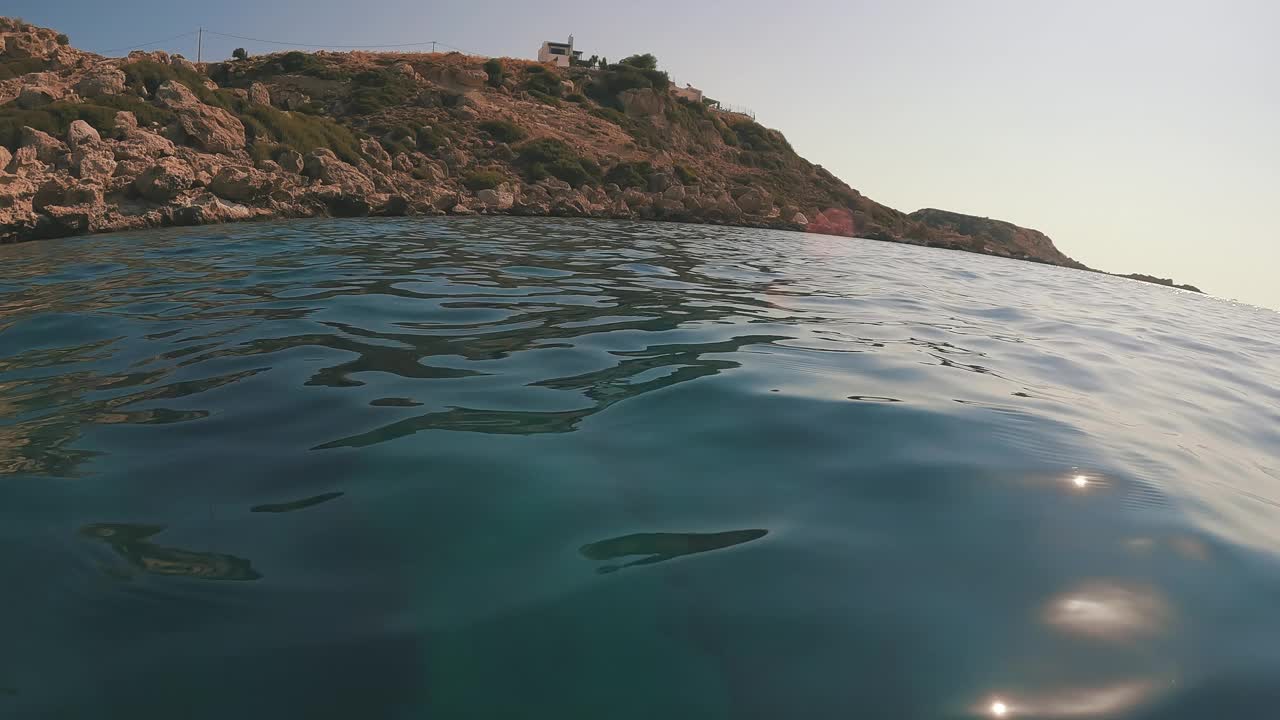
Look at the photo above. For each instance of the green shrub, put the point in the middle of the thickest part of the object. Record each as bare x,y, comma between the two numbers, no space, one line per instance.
376,90
762,160
300,63
635,73
545,98
493,67
534,69
260,151
63,39
729,136
431,138
240,54
754,136
145,112
17,67
552,158
644,62
149,75
56,118
576,98
399,139
504,131
613,116
544,82
686,176
303,133
630,174
483,180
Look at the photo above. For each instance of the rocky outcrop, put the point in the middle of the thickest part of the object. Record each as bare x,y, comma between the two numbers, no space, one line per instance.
33,97
441,129
209,128
165,180
324,166
258,93
102,80
643,103
241,184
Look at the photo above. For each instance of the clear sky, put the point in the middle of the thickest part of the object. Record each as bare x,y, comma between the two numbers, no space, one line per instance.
1141,135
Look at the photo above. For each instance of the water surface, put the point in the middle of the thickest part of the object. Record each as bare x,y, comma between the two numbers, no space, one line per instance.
557,469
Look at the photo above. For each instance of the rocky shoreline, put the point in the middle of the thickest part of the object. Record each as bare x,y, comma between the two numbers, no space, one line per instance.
90,144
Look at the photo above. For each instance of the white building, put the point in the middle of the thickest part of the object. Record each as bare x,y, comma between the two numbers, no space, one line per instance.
688,92
559,53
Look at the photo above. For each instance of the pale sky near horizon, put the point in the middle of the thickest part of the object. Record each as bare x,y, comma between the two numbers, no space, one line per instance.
1141,135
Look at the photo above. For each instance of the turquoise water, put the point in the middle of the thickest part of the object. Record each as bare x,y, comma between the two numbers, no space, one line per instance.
486,468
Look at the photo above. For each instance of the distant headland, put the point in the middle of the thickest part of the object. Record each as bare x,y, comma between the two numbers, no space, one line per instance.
93,144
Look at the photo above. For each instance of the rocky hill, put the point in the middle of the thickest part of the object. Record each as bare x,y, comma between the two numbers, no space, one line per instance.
94,144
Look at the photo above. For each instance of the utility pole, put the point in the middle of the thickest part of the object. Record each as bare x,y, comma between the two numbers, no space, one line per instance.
200,47
433,47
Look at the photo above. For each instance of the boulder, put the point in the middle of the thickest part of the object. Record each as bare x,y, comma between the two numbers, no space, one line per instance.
375,154
26,162
210,129
6,157
207,208
619,208
324,166
29,45
93,161
727,207
755,202
799,219
126,122
496,200
258,93
402,163
241,184
466,113
183,64
636,199
644,102
408,71
82,133
659,182
290,161
37,96
48,149
63,221
290,99
165,180
675,192
470,77
392,206
102,80
62,190
143,145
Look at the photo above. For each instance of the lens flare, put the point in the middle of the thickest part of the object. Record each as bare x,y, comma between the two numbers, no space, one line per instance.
1080,481
999,709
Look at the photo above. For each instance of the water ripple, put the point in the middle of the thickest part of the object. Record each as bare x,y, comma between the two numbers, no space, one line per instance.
494,467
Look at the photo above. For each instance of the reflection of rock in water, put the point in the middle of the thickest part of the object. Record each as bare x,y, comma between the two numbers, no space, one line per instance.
661,547
302,504
130,542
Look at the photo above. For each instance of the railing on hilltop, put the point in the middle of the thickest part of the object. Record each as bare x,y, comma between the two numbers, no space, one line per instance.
735,110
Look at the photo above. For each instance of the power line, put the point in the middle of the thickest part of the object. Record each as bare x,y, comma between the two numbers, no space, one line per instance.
143,45
319,45
432,43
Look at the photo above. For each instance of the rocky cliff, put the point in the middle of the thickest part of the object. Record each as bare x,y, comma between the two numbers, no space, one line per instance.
93,144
